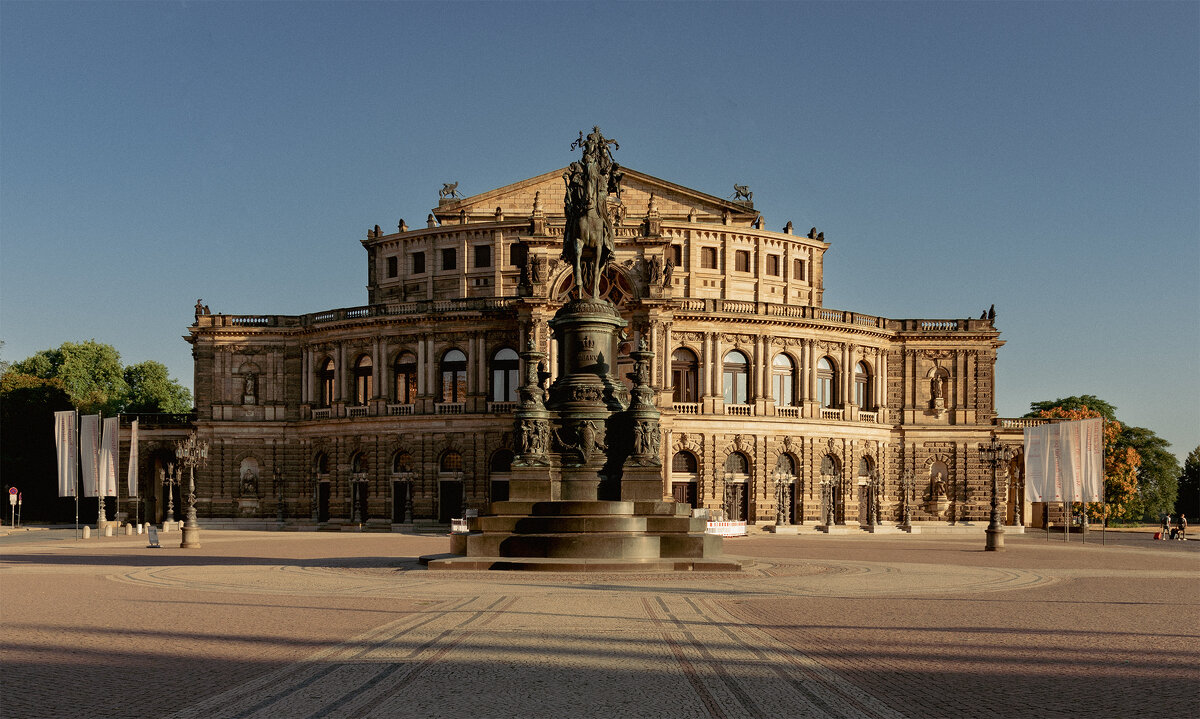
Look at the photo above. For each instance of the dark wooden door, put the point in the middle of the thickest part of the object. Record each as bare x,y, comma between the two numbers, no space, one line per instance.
684,493
449,501
323,502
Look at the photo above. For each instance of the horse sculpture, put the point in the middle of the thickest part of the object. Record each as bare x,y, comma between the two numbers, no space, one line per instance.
588,238
742,192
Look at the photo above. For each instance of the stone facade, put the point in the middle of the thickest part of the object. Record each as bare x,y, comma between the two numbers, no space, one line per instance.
402,409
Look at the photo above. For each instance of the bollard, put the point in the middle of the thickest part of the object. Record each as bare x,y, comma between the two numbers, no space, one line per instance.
108,530
128,530
139,528
87,532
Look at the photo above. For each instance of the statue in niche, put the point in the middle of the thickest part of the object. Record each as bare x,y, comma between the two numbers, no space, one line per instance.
248,388
249,483
667,270
588,238
655,273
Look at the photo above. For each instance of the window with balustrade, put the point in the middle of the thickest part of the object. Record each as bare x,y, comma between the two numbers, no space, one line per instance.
862,386
684,376
362,380
325,379
736,378
505,375
454,377
783,380
826,386
404,378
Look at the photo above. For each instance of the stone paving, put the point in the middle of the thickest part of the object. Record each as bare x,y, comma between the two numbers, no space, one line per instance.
349,625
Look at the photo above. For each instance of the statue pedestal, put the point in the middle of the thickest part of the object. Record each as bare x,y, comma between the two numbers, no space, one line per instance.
586,489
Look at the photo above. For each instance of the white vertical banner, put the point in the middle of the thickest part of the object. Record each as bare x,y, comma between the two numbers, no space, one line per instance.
132,474
1035,470
1093,460
1070,440
67,442
109,451
89,445
1053,464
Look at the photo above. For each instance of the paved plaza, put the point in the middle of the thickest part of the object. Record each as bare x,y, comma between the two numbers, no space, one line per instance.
273,624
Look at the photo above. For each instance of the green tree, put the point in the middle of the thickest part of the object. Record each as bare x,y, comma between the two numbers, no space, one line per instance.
1083,402
90,373
1188,501
27,407
1158,473
152,390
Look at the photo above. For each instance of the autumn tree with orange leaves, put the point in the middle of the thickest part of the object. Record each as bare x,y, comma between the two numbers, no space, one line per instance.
1120,462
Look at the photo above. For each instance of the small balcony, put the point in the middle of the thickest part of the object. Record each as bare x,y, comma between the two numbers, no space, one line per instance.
501,407
789,412
401,410
865,416
832,413
450,407
686,407
356,411
322,412
740,410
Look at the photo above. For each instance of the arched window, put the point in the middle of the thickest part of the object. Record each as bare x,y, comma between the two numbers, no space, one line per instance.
736,378
358,463
505,375
865,465
451,462
454,376
783,380
737,464
829,466
826,387
402,462
684,375
862,386
501,462
325,377
684,462
321,463
786,465
404,373
362,380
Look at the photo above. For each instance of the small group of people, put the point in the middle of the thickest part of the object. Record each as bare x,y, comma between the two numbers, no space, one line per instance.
1179,531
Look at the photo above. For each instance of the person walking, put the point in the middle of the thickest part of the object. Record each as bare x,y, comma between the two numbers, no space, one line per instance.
1166,527
1182,526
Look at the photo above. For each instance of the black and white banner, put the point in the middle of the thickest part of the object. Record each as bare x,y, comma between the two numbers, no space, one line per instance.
67,442
1064,461
132,474
110,448
89,448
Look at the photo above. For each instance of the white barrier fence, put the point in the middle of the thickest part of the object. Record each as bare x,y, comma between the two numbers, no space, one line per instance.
726,529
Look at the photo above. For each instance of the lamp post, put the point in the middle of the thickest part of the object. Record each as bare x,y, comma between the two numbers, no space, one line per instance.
169,480
827,501
780,512
995,454
190,452
906,489
726,499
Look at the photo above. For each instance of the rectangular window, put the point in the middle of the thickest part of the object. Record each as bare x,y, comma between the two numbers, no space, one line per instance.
418,260
393,267
449,259
708,258
516,254
677,255
773,265
798,270
483,255
741,261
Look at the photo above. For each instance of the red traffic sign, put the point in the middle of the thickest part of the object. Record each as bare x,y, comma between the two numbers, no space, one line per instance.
12,490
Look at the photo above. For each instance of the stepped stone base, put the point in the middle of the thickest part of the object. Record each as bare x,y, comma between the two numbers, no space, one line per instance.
585,536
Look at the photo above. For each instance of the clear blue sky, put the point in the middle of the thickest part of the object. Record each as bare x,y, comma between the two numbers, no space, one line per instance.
1044,157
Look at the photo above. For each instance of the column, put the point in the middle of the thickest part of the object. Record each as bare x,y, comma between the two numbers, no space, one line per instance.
305,376
655,361
706,362
342,371
665,381
420,367
811,368
718,366
377,369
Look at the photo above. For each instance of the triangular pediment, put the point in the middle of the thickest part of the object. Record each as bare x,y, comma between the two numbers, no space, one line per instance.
548,190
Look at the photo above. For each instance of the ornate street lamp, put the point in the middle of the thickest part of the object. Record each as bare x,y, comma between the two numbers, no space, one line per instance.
169,480
906,490
995,454
780,514
191,452
827,501
727,498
